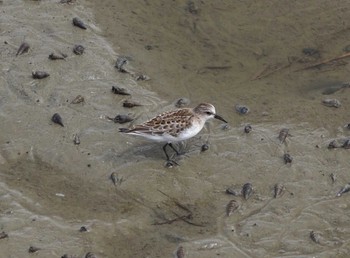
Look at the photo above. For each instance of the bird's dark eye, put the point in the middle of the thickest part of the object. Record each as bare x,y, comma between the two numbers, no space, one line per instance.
208,113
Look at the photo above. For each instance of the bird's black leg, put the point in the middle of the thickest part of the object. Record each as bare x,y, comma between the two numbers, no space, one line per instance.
170,163
171,146
164,149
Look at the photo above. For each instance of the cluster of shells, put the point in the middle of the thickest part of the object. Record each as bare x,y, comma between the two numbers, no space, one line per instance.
78,49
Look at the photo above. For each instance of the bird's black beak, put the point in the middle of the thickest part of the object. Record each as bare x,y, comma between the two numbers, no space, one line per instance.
220,118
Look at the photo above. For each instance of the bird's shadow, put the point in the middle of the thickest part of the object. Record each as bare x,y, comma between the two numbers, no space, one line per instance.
154,151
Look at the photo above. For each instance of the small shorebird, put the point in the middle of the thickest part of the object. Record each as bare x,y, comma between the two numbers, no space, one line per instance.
174,126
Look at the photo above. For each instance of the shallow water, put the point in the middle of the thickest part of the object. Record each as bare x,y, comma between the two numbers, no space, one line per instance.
50,187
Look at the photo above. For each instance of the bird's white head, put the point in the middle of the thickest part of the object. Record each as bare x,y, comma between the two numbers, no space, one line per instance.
207,111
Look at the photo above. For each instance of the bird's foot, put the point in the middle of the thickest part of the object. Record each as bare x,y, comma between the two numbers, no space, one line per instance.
171,163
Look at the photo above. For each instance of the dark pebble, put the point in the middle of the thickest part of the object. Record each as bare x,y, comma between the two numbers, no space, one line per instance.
282,136
242,110
171,164
122,119
234,191
120,91
3,234
311,52
192,7
287,158
205,147
79,23
33,249
54,56
121,61
231,207
247,190
247,128
40,75
68,256
76,139
57,119
130,104
23,48
83,229
78,99
182,102
90,255
142,77
78,49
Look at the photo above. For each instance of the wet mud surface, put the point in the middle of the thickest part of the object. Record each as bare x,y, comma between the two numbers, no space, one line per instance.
84,187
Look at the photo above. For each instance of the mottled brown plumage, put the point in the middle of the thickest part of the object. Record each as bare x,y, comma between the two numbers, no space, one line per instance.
176,125
171,123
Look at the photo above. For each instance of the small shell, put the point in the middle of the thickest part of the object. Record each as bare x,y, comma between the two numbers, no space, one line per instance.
309,51
142,77
54,56
170,164
68,256
205,147
287,158
334,144
123,130
345,189
231,207
40,75
114,178
90,255
79,23
339,143
180,252
78,99
120,91
23,48
121,119
33,249
121,61
333,177
192,7
182,102
57,119
130,104
76,139
278,190
234,191
83,229
78,49
66,1
247,190
331,103
225,127
247,128
283,135
242,110
346,144
316,237
3,235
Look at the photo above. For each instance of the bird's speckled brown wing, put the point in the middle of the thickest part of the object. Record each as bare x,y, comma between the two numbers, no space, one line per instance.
172,122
